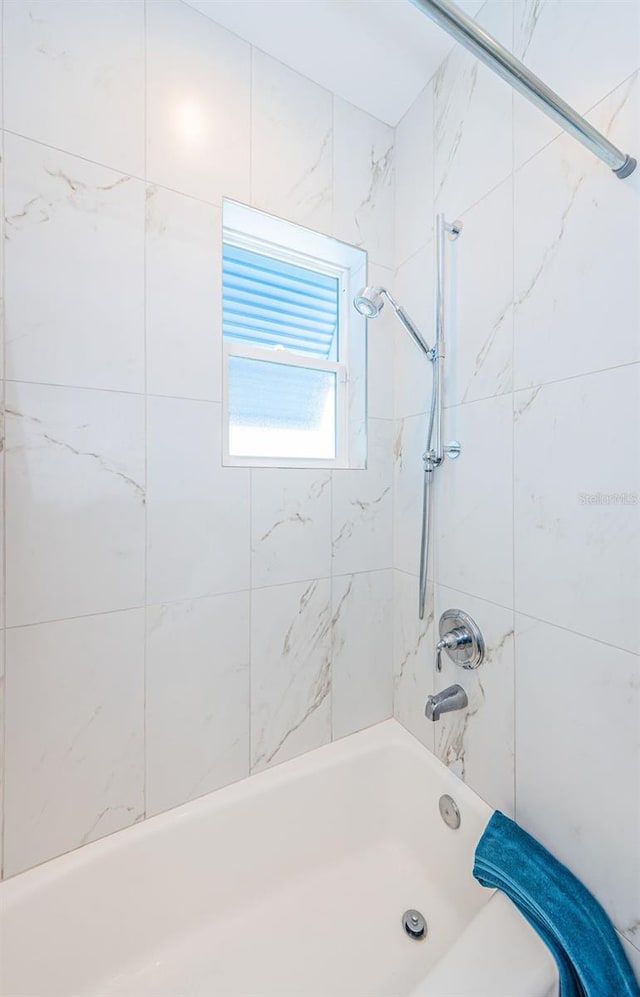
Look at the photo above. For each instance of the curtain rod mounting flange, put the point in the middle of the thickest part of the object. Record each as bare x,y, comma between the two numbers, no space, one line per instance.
489,51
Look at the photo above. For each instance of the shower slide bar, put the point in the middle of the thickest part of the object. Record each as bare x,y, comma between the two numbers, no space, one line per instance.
369,301
502,62
435,451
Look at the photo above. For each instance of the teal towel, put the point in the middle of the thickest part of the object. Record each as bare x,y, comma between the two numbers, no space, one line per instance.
571,922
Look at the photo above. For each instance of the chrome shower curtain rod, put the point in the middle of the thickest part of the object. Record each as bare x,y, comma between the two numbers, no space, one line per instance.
502,62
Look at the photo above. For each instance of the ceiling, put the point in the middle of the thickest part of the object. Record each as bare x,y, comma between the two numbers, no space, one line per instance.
377,54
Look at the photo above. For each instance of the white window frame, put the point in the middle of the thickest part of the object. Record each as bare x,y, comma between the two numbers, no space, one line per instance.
265,245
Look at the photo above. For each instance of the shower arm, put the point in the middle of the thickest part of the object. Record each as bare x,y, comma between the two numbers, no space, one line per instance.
502,62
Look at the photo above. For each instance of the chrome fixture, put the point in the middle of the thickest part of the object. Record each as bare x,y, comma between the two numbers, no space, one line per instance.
460,637
369,302
434,452
452,698
501,61
449,812
414,924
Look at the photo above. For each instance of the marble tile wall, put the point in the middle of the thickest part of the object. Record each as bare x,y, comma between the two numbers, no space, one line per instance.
171,625
537,526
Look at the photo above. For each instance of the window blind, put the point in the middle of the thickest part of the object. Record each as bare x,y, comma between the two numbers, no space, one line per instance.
268,303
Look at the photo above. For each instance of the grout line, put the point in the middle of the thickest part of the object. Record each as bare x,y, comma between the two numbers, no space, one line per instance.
514,679
575,377
392,463
273,58
251,642
149,182
515,170
251,171
431,81
78,156
411,257
331,604
251,474
530,387
3,483
123,609
462,212
112,391
332,224
562,132
480,398
435,553
113,169
182,398
627,939
197,598
146,425
577,633
529,616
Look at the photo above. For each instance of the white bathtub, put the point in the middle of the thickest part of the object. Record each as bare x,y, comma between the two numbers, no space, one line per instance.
290,883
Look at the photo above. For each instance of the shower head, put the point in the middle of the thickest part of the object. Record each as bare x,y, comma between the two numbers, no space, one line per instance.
369,301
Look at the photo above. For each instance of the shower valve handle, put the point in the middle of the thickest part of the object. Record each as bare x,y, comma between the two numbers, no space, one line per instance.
460,638
457,637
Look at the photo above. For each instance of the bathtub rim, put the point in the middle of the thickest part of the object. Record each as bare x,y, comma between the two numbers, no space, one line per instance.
458,966
385,734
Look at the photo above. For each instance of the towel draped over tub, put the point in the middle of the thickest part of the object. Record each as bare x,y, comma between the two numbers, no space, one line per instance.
571,922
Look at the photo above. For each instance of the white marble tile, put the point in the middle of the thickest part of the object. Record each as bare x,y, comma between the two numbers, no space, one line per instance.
183,291
362,513
290,525
577,541
358,394
74,734
75,494
603,39
198,104
479,334
577,759
577,255
473,501
290,671
363,202
2,74
633,955
414,177
291,144
408,474
198,511
74,270
74,77
2,750
472,121
413,658
2,238
197,698
380,358
478,743
362,651
2,500
413,376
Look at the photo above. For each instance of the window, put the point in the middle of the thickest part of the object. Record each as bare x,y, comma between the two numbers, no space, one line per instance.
294,348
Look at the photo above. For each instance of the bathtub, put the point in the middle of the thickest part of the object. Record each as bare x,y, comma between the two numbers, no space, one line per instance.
292,882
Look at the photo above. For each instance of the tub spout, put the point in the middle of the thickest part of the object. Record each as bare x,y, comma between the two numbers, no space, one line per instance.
452,698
